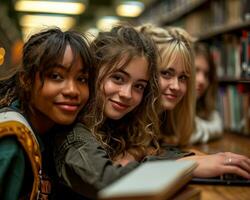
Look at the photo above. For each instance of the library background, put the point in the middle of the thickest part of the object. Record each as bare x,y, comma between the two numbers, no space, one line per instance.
223,24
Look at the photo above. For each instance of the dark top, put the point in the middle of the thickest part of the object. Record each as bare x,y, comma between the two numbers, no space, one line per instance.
84,167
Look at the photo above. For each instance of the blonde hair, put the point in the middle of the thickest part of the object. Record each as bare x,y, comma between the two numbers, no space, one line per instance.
175,43
138,129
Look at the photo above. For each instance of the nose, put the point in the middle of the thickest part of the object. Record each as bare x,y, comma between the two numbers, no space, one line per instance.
174,85
126,91
200,78
70,89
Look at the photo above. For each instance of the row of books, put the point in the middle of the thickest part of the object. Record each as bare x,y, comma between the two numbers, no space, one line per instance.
234,107
211,14
216,15
231,54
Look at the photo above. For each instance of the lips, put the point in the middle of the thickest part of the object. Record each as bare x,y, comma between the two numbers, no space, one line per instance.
170,96
68,107
119,106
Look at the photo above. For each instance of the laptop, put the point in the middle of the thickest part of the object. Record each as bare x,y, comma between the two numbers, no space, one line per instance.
156,180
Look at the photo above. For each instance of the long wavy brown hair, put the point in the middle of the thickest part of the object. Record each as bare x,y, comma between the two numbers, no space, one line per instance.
138,129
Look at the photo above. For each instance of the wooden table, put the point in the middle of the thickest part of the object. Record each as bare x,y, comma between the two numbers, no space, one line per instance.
230,142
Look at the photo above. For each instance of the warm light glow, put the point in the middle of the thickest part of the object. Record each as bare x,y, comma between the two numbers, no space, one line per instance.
34,23
2,53
106,23
28,31
130,9
91,33
46,20
73,8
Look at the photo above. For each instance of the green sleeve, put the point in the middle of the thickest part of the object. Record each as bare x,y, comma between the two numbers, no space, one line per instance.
12,165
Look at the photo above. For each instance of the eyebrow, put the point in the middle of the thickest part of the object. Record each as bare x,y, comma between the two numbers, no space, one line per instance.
174,71
82,69
170,69
127,74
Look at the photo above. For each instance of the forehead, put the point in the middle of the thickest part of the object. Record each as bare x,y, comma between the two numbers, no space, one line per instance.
72,59
176,62
137,68
201,62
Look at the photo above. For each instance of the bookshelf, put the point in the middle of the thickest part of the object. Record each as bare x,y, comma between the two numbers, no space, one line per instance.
225,26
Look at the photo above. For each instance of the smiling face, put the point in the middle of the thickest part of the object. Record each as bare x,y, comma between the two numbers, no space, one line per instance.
173,84
124,88
62,95
202,70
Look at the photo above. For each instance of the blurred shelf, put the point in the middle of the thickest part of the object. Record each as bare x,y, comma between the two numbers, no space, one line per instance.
222,29
232,80
180,11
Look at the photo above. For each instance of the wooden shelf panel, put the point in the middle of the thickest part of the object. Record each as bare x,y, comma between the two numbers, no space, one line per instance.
180,11
227,80
215,31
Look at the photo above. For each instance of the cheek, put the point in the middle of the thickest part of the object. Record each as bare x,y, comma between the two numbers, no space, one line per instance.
108,88
206,84
84,91
184,89
162,83
137,99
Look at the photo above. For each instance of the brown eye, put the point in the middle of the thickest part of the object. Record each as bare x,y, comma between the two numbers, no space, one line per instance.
83,79
183,77
55,76
117,78
140,87
166,74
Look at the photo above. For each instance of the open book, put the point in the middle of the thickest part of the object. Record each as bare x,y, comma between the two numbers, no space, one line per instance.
155,180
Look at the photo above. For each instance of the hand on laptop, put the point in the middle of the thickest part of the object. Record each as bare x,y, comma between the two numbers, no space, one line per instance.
219,164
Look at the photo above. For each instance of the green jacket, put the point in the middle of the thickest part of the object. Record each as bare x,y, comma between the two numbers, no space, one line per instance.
20,157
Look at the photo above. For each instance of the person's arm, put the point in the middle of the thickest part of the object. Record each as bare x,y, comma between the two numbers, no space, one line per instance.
207,130
83,165
12,166
220,163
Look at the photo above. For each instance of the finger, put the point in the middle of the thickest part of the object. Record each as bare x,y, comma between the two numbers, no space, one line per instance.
234,155
239,160
240,163
231,169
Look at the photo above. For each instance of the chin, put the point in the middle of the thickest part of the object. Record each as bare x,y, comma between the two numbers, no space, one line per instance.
168,107
114,116
66,121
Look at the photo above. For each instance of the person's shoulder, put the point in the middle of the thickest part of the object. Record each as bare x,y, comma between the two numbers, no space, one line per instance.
81,127
9,146
72,135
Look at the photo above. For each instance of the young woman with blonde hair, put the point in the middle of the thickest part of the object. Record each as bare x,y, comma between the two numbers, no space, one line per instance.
178,108
177,84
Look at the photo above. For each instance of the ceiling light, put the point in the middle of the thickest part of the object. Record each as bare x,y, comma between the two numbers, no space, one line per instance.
106,23
130,8
65,22
73,8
